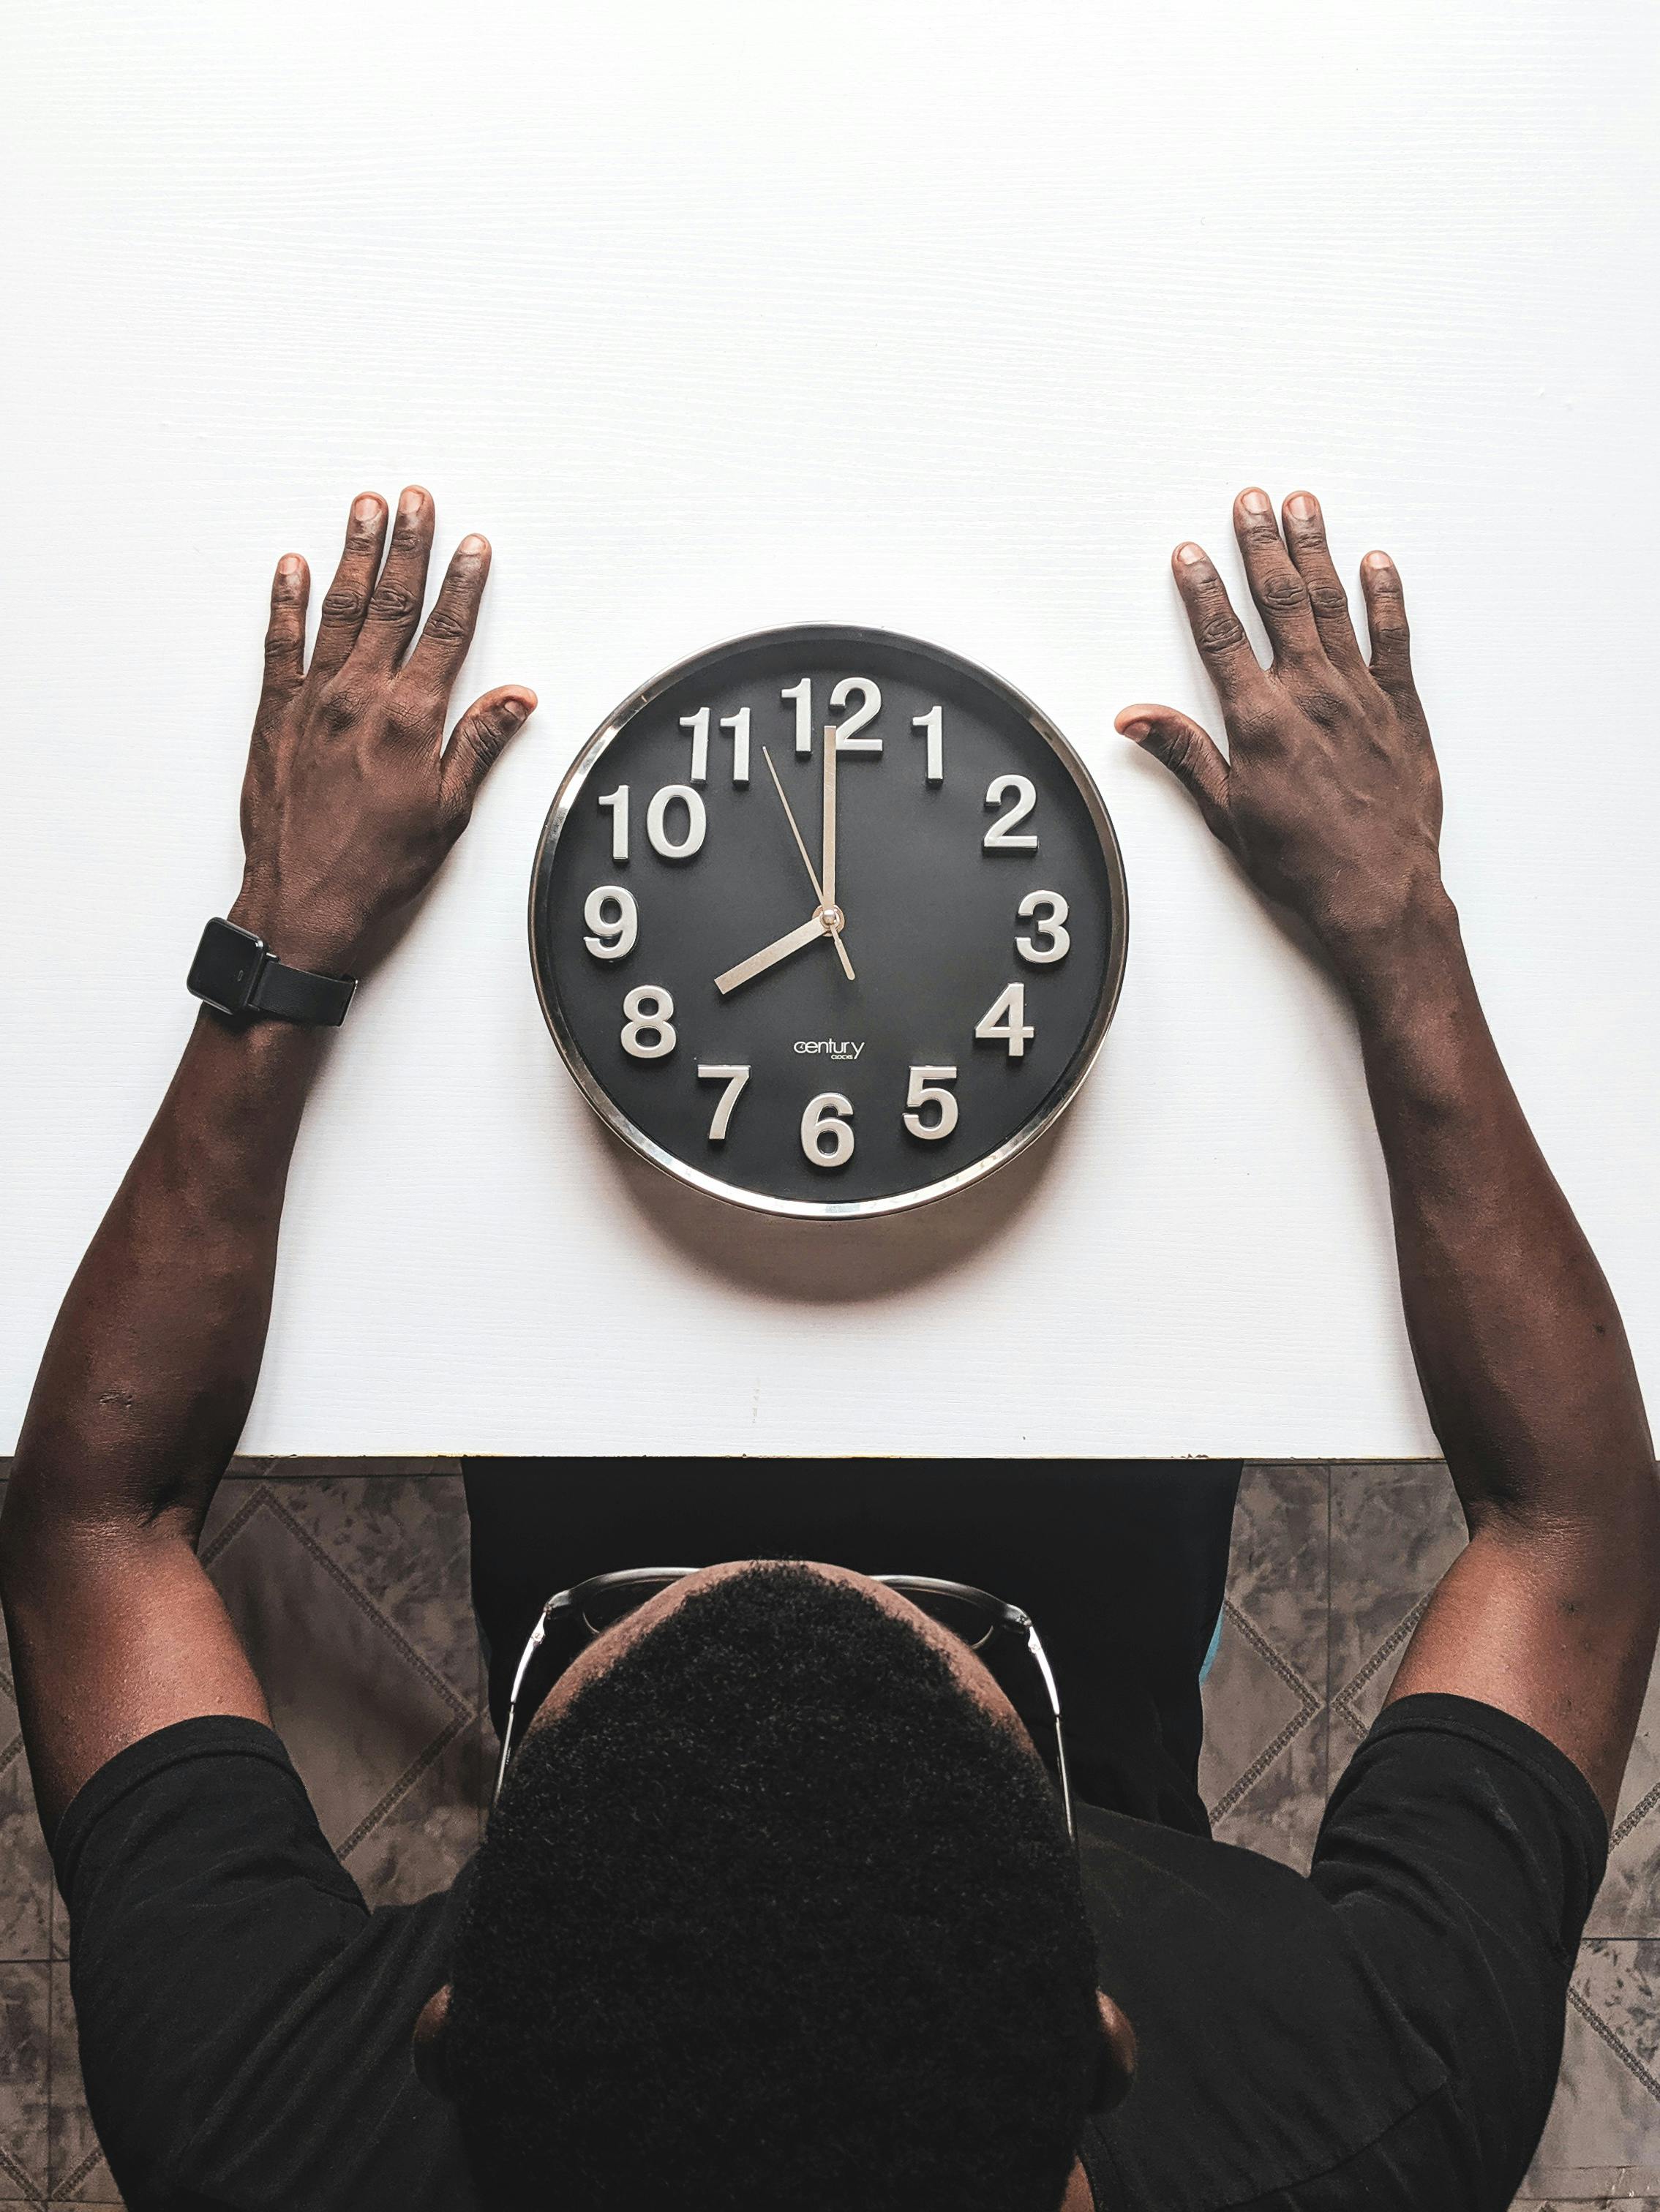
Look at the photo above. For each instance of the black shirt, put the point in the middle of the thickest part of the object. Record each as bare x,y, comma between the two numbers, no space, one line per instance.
1383,2032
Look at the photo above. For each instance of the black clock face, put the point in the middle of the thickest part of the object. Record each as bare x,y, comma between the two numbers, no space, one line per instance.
825,978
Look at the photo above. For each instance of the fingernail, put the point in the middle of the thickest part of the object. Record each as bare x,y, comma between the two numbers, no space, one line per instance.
518,710
411,501
1136,729
1190,556
1254,502
1301,506
1376,561
470,546
290,565
365,509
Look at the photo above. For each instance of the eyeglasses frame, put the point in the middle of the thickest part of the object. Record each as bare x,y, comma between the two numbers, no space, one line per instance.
1002,1616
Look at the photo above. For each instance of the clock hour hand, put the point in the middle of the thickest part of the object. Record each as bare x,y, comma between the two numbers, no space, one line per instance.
813,873
770,955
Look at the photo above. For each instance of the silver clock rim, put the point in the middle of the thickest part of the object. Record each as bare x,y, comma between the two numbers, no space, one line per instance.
754,1201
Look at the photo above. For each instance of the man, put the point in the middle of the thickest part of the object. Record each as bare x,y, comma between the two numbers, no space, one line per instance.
779,1905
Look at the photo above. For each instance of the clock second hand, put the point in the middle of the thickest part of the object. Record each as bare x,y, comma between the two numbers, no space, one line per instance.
813,873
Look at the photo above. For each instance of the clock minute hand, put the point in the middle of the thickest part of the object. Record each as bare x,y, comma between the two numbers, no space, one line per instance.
828,864
807,862
770,955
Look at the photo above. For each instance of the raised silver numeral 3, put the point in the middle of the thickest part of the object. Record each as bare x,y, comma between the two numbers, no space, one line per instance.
1052,941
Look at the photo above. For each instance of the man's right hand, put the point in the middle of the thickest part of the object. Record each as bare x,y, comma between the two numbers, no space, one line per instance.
1329,797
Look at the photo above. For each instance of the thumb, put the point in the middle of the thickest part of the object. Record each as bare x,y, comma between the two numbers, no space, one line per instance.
1190,756
476,741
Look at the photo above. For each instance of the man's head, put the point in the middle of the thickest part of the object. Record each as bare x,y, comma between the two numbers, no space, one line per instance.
777,1906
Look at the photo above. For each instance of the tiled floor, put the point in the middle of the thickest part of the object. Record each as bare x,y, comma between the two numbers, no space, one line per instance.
353,1576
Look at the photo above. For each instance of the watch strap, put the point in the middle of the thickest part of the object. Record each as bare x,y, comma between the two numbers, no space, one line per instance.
296,995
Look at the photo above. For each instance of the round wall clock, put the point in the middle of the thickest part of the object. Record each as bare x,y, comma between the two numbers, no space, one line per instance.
827,921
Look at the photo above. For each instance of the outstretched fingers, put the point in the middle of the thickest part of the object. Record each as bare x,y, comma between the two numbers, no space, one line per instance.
1190,755
1305,536
394,607
442,645
1386,622
285,633
475,744
1281,598
1237,675
346,601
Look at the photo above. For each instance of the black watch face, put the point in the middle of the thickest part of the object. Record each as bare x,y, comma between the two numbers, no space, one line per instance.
827,921
226,966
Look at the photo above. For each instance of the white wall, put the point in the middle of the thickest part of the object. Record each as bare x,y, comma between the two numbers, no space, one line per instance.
950,318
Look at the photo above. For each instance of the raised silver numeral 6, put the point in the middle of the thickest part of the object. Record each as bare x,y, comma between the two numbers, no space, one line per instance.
645,1012
827,1139
1052,941
613,934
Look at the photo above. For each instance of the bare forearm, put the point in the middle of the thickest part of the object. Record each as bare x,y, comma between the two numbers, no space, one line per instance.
1520,1349
150,1367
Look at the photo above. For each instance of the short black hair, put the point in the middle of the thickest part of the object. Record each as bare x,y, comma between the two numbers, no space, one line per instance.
775,1912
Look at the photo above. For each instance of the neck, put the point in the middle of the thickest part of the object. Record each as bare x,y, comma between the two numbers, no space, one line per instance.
1079,2198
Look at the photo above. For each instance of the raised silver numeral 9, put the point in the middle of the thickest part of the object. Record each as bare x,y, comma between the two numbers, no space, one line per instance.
827,1139
1052,941
646,1013
613,934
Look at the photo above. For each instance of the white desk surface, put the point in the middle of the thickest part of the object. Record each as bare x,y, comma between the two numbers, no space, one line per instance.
948,318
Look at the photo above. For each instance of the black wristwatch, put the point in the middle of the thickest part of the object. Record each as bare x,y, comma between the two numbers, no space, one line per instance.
236,972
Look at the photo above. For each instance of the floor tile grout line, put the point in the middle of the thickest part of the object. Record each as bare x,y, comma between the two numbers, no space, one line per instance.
1325,1712
51,2066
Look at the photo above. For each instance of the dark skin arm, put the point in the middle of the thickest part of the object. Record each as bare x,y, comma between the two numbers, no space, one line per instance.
350,802
1329,799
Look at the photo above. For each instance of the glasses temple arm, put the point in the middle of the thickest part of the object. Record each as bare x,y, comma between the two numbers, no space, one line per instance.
518,1672
1038,1653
